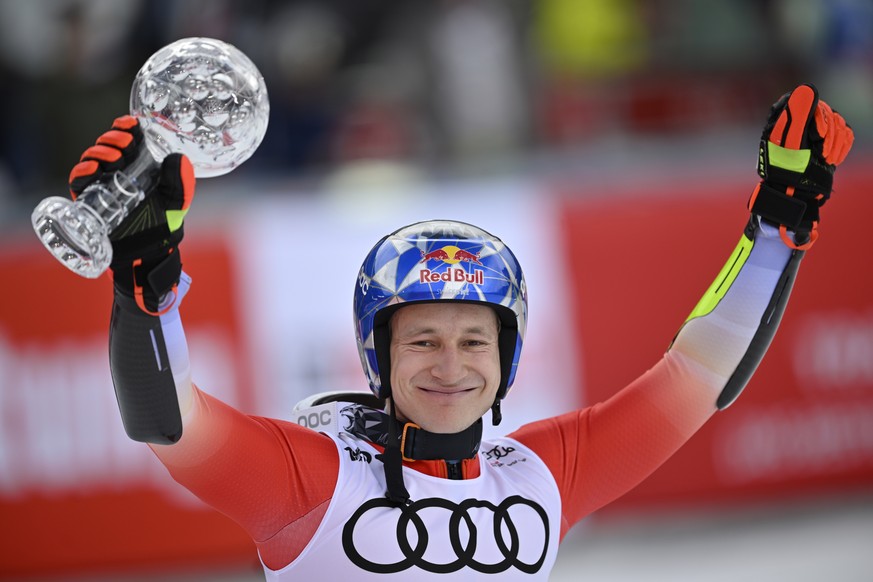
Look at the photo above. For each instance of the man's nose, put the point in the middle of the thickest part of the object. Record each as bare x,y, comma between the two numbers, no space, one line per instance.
448,366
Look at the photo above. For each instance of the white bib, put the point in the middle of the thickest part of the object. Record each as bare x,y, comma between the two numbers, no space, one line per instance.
505,522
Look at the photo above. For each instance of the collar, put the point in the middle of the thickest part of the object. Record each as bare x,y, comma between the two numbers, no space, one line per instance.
470,468
415,443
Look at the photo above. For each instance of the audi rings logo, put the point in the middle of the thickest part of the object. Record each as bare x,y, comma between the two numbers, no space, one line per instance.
466,524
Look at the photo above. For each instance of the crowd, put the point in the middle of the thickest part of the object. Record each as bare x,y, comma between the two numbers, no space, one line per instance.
436,83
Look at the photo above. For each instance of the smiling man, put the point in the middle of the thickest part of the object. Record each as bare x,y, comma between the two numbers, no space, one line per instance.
406,488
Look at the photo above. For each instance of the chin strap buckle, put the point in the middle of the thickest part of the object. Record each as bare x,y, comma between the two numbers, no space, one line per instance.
407,440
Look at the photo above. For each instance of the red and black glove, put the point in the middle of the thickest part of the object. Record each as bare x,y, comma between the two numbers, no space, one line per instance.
803,142
146,264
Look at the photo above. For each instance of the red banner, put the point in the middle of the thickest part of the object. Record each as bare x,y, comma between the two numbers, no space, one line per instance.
76,495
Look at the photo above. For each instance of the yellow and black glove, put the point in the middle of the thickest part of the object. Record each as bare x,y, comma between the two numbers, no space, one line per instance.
803,142
146,263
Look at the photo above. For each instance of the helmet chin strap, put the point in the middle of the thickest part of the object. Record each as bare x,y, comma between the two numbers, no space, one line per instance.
392,461
496,415
408,441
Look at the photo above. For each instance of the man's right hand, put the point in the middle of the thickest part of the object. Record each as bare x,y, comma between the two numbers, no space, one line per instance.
146,264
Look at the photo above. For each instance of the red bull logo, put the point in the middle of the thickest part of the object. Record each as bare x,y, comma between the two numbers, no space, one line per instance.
451,255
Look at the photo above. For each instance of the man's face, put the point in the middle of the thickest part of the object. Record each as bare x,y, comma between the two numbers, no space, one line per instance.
445,365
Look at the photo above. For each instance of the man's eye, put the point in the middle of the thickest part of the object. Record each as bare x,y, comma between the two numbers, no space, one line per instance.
476,343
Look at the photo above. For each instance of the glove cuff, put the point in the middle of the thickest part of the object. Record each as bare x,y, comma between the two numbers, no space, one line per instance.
149,273
779,208
796,217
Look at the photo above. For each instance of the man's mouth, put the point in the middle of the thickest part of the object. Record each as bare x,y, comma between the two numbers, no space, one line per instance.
446,391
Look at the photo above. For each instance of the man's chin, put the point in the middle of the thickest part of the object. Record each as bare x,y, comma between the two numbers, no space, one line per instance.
447,425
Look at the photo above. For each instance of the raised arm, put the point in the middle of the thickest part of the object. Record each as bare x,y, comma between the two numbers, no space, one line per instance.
599,453
273,478
146,268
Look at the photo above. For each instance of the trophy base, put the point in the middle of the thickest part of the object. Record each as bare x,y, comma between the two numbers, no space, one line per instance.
74,234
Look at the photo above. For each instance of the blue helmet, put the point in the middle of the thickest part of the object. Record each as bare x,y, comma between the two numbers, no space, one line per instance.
431,261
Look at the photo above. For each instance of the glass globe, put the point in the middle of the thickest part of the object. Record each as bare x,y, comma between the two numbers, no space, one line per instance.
197,96
204,98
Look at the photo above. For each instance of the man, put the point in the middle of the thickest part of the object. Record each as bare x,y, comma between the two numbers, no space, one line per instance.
406,488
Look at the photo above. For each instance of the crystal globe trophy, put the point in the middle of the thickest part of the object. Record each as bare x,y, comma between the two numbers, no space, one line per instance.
197,96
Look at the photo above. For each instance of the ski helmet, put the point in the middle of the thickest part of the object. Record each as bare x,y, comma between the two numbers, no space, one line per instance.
435,261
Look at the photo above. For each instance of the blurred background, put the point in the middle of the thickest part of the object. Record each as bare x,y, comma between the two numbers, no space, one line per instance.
611,144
